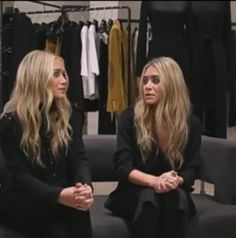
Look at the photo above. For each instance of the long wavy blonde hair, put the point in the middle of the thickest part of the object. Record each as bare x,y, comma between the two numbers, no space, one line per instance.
169,114
32,99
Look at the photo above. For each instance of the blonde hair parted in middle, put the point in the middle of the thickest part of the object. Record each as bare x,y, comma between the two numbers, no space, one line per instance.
170,113
32,99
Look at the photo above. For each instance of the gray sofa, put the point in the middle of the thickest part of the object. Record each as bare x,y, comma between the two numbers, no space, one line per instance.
216,217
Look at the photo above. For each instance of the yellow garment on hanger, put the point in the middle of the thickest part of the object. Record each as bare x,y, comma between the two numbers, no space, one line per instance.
125,66
115,98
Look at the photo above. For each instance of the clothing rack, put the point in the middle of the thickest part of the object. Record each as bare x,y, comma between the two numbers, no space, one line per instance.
73,8
131,20
59,8
80,8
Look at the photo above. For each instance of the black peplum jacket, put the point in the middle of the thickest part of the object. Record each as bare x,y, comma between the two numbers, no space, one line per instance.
42,185
128,157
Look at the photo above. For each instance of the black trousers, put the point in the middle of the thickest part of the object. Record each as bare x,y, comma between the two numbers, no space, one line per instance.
150,214
40,221
160,215
154,224
75,223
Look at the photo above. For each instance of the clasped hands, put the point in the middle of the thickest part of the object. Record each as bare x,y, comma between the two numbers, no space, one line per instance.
167,181
79,196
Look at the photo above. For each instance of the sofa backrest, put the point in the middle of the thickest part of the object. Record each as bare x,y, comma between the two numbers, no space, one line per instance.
218,166
100,150
217,163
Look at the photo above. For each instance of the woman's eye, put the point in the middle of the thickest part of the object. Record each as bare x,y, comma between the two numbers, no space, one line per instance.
145,80
56,74
64,75
155,80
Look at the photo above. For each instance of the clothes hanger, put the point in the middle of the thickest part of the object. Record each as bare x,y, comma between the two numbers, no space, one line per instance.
95,22
109,24
103,26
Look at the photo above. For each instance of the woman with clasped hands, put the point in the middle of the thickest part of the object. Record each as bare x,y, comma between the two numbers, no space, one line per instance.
157,155
48,192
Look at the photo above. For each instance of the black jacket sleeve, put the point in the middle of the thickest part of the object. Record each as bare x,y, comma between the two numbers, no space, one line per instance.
191,154
123,157
78,165
19,166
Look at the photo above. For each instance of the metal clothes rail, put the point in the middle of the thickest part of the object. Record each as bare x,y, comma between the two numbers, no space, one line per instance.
46,4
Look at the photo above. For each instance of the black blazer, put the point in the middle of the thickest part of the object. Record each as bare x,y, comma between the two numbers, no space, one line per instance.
127,199
128,156
43,184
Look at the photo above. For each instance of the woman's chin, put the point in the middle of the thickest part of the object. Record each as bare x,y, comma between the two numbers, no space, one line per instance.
150,101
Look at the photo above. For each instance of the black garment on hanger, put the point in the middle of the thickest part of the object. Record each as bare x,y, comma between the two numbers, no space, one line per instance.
168,21
18,38
106,120
209,31
40,31
71,52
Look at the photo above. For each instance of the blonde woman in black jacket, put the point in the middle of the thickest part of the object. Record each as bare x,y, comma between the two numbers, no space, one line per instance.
48,191
157,155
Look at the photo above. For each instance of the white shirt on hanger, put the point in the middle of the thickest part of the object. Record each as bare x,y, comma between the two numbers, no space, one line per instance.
90,56
84,58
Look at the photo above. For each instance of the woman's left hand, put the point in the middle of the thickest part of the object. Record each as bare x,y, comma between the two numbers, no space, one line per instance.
172,179
83,196
168,181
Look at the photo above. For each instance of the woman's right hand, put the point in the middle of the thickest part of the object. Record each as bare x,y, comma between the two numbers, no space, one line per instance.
83,196
166,182
67,197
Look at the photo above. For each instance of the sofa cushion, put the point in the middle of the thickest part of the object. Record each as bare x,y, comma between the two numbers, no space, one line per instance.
9,233
213,219
104,224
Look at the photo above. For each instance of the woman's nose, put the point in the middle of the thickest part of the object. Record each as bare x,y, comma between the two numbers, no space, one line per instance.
148,84
63,80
